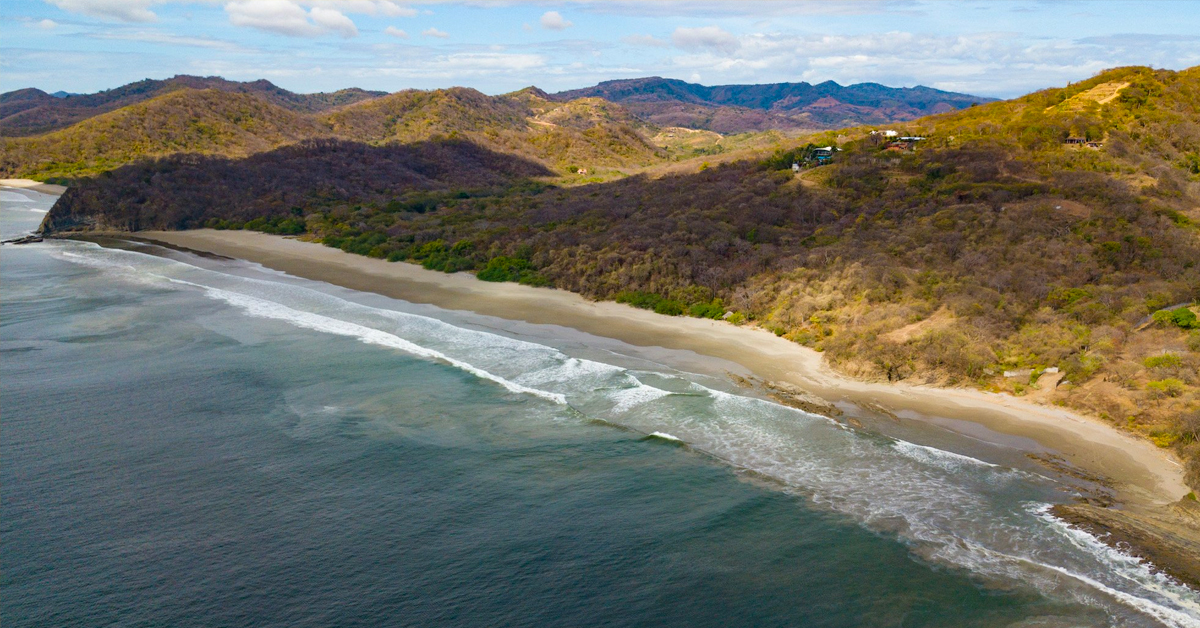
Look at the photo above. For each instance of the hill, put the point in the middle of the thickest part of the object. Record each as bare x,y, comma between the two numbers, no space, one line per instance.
741,108
27,112
589,134
194,121
276,185
992,254
567,135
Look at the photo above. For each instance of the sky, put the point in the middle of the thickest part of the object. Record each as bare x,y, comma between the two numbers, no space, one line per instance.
988,48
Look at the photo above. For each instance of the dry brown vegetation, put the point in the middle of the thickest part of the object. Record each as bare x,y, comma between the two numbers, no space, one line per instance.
992,247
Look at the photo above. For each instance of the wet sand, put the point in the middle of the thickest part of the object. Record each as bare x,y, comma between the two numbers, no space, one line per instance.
1142,473
36,186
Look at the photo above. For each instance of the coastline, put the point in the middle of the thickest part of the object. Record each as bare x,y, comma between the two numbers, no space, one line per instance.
36,186
1143,475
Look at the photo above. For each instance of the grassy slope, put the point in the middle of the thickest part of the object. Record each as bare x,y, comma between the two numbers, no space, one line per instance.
194,121
590,134
31,112
586,133
993,247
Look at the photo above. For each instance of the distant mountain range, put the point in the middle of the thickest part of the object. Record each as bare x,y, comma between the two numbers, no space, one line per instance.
741,108
612,125
32,111
212,116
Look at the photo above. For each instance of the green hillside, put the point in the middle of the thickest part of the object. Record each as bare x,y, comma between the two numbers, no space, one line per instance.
591,134
992,254
28,112
192,121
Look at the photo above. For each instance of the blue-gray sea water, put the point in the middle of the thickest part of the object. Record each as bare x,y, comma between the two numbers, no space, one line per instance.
189,441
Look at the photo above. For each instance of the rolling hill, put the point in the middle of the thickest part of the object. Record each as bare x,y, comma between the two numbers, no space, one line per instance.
994,254
741,108
589,133
206,121
27,112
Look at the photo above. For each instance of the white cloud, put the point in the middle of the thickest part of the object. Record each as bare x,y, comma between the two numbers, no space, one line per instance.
334,21
159,37
119,10
553,20
705,38
367,7
456,66
289,18
644,40
46,24
433,32
395,32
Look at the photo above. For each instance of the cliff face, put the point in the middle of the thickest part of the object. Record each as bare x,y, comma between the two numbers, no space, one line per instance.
70,214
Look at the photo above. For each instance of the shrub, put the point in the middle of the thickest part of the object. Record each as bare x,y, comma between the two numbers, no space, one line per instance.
669,307
714,309
1169,387
1181,317
504,268
1165,360
643,300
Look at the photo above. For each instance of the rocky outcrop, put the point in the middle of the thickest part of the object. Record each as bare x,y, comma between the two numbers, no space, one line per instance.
1168,538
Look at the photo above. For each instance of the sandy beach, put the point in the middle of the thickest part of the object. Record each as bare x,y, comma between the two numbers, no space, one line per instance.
1142,473
36,186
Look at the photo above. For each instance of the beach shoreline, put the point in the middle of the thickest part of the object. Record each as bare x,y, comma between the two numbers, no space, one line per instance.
1142,474
36,186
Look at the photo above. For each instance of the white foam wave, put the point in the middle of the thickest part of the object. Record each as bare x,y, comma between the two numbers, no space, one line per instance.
947,506
1129,568
666,436
948,460
262,308
565,368
14,197
629,398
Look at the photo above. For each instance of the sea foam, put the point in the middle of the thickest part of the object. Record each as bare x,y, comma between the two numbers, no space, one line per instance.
949,508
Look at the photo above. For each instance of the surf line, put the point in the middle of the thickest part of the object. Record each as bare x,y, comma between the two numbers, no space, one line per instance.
262,308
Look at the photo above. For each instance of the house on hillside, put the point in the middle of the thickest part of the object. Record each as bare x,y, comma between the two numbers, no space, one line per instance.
823,154
1075,141
906,143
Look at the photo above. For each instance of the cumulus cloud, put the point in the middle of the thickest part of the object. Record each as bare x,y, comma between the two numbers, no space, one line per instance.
333,21
46,24
553,20
395,32
991,64
289,18
368,7
119,10
705,38
433,32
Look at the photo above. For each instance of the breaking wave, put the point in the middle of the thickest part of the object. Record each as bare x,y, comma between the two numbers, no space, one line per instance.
948,508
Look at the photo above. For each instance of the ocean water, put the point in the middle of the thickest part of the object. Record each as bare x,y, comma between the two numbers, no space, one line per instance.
193,441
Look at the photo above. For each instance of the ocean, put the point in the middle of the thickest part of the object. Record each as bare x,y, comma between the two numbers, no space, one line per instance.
197,441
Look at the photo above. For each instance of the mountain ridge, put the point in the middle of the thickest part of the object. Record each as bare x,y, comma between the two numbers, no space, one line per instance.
31,111
986,255
673,102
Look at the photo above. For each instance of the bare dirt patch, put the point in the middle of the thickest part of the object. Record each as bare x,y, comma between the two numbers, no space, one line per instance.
938,320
